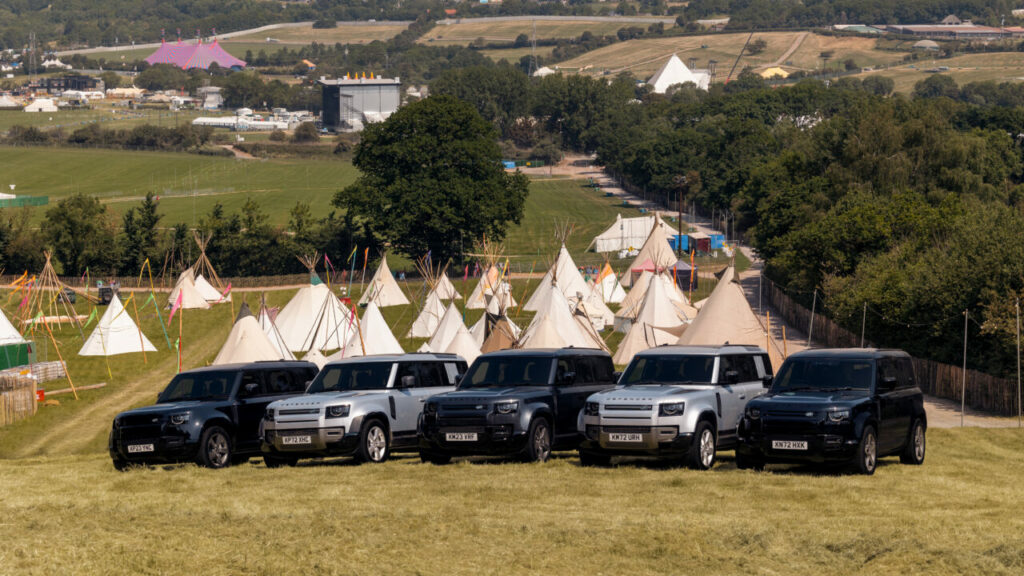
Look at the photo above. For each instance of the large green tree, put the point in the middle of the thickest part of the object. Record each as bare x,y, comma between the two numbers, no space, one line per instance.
432,180
82,235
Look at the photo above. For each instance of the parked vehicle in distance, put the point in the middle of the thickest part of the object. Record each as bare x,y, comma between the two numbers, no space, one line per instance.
837,406
210,415
514,402
365,407
674,402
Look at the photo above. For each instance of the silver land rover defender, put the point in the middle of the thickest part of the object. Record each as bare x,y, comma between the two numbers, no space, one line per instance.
674,401
364,407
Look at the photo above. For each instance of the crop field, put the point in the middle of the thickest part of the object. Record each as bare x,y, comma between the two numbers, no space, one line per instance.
345,33
469,30
645,55
994,67
954,515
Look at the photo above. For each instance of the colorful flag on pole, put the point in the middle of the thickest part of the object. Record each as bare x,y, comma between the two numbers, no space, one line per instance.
92,316
222,296
177,305
354,250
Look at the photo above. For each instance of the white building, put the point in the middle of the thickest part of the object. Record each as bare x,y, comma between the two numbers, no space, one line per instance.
675,72
350,103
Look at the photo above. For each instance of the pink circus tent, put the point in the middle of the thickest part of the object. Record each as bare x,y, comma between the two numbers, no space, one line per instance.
199,55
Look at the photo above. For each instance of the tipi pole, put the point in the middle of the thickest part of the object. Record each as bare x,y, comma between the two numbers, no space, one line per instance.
60,357
366,258
527,287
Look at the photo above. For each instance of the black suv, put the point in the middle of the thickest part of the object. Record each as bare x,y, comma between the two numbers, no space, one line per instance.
512,402
210,415
836,406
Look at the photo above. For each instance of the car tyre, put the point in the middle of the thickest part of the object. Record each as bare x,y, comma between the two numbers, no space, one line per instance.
120,464
744,462
278,461
215,448
867,451
913,452
702,452
591,459
434,457
374,444
538,441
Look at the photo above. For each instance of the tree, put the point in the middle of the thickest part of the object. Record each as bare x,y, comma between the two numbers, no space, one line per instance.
305,133
757,46
432,180
110,79
81,234
140,237
161,77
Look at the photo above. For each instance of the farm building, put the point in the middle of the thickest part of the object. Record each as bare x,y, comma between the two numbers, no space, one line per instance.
198,55
350,103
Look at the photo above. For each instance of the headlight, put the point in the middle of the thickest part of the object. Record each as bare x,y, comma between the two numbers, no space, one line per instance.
506,407
337,411
839,415
269,415
753,413
592,409
179,419
673,409
430,408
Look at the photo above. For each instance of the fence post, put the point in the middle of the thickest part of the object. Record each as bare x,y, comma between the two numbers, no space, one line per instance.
963,375
810,331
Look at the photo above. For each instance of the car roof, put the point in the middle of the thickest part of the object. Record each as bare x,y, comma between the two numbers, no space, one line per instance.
410,357
552,352
703,350
849,353
253,365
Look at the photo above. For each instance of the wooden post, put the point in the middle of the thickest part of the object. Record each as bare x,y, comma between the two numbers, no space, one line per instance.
768,332
810,331
785,346
963,374
1018,365
863,323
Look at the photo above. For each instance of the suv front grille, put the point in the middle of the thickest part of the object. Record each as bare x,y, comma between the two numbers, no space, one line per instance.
614,407
140,420
299,411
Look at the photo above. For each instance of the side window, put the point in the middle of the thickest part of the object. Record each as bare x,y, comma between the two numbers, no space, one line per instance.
431,375
584,370
246,388
724,365
604,371
450,370
745,366
407,369
766,363
907,379
886,369
564,366
279,382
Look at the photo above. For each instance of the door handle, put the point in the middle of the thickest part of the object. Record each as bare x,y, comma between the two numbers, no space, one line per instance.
744,397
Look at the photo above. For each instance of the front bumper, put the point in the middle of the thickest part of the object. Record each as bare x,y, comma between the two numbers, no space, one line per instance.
169,445
653,440
823,446
492,440
333,441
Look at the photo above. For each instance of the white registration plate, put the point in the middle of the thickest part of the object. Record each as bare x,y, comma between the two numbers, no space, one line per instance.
625,437
137,448
789,444
296,440
460,436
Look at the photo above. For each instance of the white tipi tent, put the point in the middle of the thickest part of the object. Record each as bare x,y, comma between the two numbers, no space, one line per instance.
656,249
445,289
491,283
247,342
383,289
316,357
628,233
191,299
447,329
115,334
675,72
208,292
608,286
372,337
430,317
658,321
567,278
8,333
479,330
555,310
273,334
631,305
314,319
464,345
726,317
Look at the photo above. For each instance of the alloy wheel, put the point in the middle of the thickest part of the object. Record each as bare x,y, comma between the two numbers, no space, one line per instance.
217,449
919,443
541,443
869,452
707,448
376,444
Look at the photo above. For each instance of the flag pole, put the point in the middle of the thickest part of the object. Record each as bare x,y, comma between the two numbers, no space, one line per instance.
181,313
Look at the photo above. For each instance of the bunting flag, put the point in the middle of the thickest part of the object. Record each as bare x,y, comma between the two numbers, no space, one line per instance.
354,250
222,296
177,343
92,316
177,305
466,275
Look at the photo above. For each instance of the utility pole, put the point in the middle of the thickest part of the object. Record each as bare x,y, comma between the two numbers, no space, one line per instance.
814,306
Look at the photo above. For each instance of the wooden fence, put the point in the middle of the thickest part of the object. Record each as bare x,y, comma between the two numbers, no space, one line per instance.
983,391
17,398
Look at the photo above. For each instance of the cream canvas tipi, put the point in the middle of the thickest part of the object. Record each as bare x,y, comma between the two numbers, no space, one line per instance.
659,321
372,336
383,289
314,318
464,345
269,326
566,277
247,342
430,317
191,299
115,334
656,249
608,286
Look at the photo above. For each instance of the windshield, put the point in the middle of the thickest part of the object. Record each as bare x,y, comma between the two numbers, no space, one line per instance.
508,371
823,374
199,386
669,370
356,376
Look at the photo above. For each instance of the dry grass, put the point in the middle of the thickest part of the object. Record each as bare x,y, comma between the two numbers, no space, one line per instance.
345,33
513,55
996,67
955,515
469,30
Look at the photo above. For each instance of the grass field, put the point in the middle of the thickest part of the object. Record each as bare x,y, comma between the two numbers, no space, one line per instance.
644,56
469,30
109,117
996,67
954,515
513,55
302,35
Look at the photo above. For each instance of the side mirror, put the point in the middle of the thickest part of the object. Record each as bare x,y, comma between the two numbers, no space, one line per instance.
407,382
889,382
732,376
767,381
568,377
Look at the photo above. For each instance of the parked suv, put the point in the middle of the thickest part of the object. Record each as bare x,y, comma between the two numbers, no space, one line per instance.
674,401
210,415
514,402
837,406
365,407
